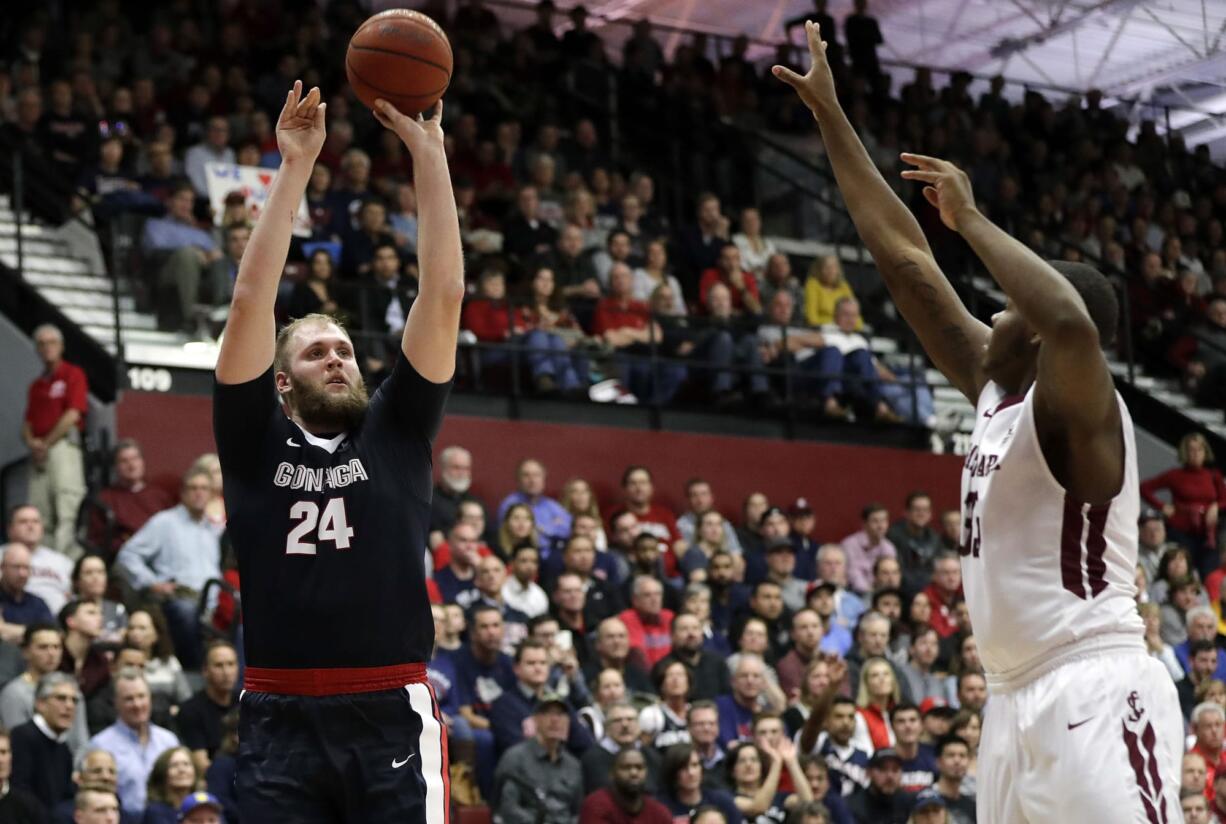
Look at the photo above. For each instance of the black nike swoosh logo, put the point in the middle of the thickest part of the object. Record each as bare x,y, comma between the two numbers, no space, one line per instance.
1079,723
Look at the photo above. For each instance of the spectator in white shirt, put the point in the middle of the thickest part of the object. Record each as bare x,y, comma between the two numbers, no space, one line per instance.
50,571
213,149
521,591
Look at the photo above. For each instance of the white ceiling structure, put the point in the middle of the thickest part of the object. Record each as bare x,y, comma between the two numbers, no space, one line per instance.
1162,52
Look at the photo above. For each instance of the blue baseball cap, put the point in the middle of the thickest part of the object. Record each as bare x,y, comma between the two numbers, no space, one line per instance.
197,800
929,798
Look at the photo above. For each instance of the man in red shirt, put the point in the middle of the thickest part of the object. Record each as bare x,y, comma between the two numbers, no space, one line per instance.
656,519
743,285
625,325
625,800
1209,724
130,500
54,420
944,592
648,623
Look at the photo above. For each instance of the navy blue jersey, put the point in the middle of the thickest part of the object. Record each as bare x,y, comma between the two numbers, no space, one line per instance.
330,533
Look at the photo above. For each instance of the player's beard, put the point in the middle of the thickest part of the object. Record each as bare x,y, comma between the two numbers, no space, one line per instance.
324,410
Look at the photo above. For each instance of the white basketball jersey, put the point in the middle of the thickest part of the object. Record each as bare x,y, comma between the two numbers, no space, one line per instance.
1041,571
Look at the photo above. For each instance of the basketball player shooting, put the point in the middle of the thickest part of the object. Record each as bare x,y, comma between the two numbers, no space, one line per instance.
328,498
1081,724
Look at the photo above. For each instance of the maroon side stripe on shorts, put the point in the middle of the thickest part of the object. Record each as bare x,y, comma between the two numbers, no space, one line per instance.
1070,548
1148,739
1139,769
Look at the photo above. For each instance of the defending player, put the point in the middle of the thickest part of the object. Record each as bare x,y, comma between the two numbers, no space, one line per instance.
328,498
1081,725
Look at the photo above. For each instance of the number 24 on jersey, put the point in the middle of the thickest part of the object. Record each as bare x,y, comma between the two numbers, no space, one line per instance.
329,525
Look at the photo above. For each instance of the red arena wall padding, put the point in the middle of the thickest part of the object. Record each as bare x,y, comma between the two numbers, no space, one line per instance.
837,479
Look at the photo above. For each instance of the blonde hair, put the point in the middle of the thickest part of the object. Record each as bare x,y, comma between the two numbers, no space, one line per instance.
862,695
568,494
815,269
281,357
506,542
1188,440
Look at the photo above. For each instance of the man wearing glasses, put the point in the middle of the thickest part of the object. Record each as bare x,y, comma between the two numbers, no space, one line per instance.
42,762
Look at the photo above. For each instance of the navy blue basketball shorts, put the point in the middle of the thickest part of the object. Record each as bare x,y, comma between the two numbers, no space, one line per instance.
341,746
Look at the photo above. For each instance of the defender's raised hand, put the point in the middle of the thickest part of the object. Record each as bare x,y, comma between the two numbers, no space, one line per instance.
816,87
948,189
300,128
417,132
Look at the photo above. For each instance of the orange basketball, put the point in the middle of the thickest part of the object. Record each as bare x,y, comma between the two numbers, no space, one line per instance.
401,56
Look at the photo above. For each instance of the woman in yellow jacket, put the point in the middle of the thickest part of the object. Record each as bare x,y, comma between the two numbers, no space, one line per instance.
825,286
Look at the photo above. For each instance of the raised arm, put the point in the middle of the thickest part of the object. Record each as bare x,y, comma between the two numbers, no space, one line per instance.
430,334
1074,398
949,333
250,335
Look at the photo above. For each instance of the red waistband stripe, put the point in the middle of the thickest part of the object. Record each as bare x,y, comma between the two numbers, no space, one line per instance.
332,680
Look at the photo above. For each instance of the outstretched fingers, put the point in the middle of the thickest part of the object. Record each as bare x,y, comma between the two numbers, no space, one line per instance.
787,75
306,107
925,175
925,162
813,33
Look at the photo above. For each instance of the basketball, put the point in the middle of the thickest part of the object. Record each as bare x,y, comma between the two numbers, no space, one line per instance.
401,56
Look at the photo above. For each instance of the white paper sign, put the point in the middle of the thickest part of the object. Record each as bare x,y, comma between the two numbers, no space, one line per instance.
255,183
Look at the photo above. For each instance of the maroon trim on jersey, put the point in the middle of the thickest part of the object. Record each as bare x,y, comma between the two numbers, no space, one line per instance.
1149,788
332,681
1005,403
1071,528
1096,548
1070,548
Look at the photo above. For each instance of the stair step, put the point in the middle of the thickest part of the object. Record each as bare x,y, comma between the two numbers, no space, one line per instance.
103,317
145,336
8,228
33,246
83,299
89,283
58,263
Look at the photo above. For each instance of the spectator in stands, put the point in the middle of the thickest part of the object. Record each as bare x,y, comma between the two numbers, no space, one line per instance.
863,548
452,488
755,250
625,325
510,711
699,244
708,670
42,648
1202,625
200,719
654,273
318,292
163,671
42,761
915,540
133,740
972,692
130,501
179,252
172,779
1203,659
214,148
552,520
50,571
525,234
806,637
94,793
19,606
68,137
172,557
882,801
701,500
1208,725
457,580
520,591
684,789
82,625
551,333
737,708
1152,544
613,651
1154,644
1197,492
1192,775
832,569
754,773
877,693
742,285
944,592
56,405
621,731
223,271
921,679
538,780
16,804
647,622
626,799
825,286
617,250
1195,808
863,37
